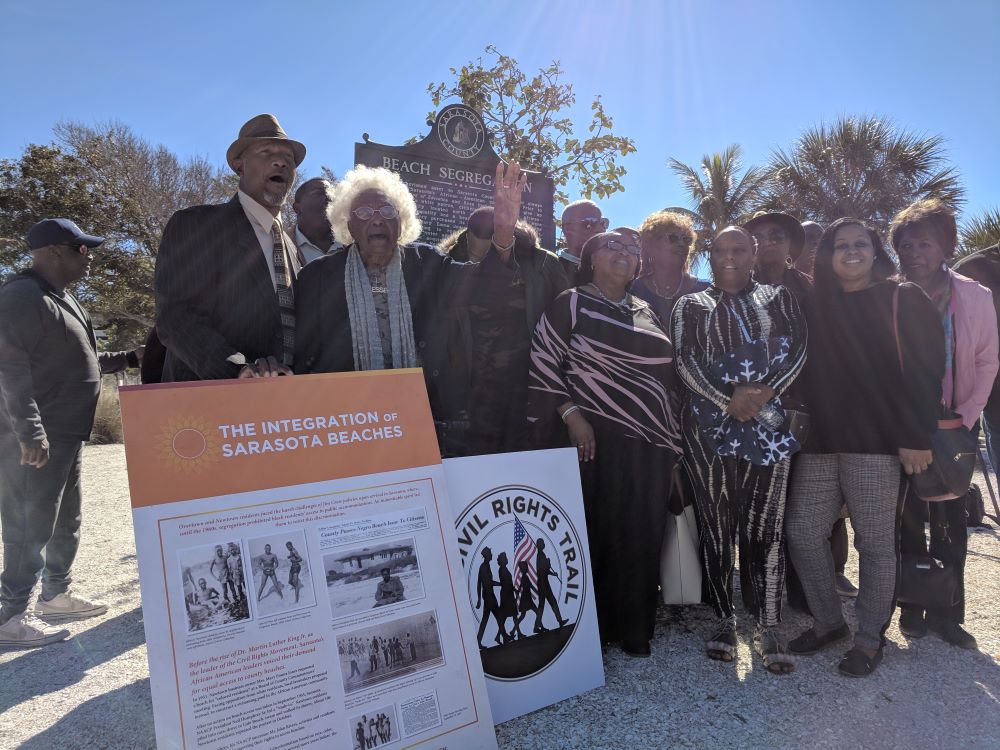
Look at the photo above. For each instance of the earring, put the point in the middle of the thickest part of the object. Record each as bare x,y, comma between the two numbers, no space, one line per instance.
789,262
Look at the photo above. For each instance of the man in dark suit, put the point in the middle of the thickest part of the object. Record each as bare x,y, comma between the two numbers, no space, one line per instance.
225,274
50,379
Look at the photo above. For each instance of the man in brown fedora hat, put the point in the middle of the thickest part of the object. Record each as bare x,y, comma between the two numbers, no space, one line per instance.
225,274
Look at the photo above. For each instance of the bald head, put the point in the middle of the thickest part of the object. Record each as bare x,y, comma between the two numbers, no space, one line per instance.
311,201
581,220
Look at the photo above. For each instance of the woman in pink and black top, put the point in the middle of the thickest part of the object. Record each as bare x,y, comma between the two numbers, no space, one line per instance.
924,235
601,361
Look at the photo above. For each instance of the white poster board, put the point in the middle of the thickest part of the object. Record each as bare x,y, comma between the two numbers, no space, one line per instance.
298,566
516,515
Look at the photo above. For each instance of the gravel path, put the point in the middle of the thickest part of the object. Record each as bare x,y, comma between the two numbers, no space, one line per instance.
92,691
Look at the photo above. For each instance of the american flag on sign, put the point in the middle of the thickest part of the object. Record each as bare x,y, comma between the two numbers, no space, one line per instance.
524,549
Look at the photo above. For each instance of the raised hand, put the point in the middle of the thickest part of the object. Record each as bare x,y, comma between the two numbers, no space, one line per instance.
508,185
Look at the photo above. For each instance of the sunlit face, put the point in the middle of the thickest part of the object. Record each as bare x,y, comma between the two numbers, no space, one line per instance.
668,248
732,259
580,223
920,252
267,170
310,207
377,234
853,257
773,243
616,265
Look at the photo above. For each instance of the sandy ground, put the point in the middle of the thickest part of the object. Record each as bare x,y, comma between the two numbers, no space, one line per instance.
92,691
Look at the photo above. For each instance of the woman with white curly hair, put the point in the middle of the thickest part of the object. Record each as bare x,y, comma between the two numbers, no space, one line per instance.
376,305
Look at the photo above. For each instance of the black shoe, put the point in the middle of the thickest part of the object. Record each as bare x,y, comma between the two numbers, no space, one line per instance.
856,663
845,587
953,633
638,649
810,642
912,623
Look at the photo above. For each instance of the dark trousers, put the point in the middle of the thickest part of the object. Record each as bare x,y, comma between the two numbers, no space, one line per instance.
625,499
949,542
39,509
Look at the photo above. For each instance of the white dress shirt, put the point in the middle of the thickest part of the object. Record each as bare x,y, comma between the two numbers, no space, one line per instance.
261,220
311,251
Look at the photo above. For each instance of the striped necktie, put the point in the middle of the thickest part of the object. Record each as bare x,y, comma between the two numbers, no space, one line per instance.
286,297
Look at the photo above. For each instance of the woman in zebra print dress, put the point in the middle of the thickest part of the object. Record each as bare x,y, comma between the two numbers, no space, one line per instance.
601,361
739,346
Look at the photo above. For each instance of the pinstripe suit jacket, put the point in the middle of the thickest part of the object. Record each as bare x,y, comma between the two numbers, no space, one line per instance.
214,295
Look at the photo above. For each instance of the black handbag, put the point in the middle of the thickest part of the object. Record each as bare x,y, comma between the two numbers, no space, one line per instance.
950,473
925,581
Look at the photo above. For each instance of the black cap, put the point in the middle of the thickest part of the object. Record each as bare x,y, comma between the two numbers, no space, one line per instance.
59,232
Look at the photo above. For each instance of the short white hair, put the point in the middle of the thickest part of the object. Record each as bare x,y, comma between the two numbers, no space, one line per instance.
360,179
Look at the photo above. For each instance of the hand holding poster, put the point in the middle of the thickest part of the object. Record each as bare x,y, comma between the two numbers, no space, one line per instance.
299,573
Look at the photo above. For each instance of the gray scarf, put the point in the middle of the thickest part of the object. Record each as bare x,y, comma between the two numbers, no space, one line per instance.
364,321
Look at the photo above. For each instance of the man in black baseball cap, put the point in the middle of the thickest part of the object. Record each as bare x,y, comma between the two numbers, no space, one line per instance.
50,378
60,232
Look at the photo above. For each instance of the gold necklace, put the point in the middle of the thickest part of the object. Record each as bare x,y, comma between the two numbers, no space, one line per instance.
656,287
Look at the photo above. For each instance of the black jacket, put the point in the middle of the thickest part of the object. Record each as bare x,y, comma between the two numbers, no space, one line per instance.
323,341
50,369
214,294
544,280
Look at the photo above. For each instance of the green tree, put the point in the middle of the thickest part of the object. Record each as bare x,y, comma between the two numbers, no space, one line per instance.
115,184
528,123
722,192
865,167
978,232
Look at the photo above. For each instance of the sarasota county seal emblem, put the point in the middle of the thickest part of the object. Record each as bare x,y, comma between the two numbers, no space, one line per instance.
461,131
526,578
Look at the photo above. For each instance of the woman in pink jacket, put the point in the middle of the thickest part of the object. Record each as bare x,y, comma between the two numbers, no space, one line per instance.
924,236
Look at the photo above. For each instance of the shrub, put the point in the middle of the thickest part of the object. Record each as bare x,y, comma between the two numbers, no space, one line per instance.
108,419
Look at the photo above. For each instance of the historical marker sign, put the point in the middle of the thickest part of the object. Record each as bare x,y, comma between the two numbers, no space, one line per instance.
450,174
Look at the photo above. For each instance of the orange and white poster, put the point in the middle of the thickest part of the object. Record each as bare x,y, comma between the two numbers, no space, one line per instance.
301,583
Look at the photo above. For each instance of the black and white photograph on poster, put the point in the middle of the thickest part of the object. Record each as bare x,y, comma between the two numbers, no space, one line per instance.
282,580
523,564
375,576
389,650
215,585
374,728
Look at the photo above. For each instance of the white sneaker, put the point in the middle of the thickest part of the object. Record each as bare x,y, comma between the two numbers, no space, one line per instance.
68,606
27,631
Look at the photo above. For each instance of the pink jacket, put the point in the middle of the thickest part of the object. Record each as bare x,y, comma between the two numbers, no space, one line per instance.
976,349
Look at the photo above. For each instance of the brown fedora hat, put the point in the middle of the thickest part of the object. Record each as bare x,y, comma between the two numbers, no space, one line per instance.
262,128
787,222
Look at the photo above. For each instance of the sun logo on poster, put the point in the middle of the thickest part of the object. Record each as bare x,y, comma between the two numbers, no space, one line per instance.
188,444
526,578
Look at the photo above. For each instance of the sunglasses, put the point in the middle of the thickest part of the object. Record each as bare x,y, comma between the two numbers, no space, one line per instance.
364,213
589,223
81,249
775,236
617,246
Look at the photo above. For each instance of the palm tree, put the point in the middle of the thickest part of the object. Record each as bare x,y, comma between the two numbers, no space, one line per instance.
978,232
719,194
860,166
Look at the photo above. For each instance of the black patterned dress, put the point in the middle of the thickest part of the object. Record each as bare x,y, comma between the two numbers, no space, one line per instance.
737,498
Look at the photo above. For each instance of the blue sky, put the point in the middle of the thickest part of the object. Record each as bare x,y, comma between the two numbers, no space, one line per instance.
682,78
